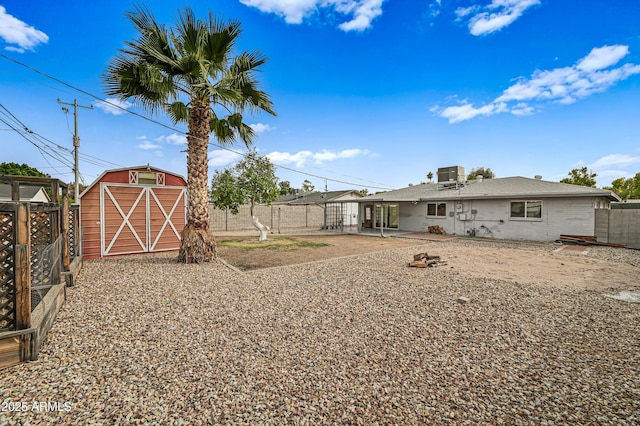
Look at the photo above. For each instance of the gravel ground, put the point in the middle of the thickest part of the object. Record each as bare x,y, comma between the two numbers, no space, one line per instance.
366,340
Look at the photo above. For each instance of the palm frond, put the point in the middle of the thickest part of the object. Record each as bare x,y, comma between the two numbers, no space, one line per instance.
178,112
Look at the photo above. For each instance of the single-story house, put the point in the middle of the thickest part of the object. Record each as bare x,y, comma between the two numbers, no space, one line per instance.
34,194
341,207
516,208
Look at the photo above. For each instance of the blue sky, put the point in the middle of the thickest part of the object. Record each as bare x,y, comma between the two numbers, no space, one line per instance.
370,93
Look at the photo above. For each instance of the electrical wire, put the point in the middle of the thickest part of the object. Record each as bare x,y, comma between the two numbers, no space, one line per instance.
53,145
91,95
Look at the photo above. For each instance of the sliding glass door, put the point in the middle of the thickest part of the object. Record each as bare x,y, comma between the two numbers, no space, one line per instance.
387,216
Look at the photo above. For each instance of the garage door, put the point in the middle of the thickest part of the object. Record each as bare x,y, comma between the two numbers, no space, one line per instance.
140,219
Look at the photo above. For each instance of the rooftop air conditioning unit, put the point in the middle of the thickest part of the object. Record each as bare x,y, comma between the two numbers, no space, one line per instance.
453,173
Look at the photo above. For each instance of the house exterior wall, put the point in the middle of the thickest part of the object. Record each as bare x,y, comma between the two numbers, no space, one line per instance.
573,216
491,218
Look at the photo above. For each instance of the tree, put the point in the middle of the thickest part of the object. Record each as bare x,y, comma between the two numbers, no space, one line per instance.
481,171
190,71
627,189
364,192
582,177
307,186
16,169
284,187
253,180
430,176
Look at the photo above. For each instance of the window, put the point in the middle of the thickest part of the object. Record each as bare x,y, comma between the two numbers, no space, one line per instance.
437,209
526,210
146,178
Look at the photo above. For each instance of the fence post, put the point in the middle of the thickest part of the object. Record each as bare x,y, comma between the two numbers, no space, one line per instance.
66,261
23,268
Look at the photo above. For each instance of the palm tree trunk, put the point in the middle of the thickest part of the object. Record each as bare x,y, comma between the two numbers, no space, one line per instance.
198,244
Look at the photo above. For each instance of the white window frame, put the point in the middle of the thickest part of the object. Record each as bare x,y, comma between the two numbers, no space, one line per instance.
436,204
526,210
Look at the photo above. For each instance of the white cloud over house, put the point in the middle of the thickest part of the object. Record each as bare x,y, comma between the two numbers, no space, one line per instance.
114,106
19,35
592,74
300,158
494,16
359,13
615,160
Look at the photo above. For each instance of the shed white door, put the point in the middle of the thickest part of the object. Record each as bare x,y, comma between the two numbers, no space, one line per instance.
140,219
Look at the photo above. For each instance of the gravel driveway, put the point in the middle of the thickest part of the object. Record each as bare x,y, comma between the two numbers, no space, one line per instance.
366,340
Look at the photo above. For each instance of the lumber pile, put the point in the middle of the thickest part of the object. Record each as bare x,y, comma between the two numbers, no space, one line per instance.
435,229
586,240
424,260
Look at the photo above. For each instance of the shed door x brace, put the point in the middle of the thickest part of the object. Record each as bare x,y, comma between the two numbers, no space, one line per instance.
139,219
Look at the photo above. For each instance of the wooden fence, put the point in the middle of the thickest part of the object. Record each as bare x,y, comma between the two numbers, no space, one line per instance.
39,255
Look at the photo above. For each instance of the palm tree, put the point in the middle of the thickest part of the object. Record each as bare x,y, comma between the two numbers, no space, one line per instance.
190,72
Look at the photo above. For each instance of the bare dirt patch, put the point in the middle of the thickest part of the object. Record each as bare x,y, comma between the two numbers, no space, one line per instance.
523,262
288,254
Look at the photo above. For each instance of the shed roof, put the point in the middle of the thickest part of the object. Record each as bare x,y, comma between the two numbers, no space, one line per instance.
138,168
509,187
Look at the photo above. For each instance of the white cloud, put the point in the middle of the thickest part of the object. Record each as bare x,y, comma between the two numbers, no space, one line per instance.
364,12
522,109
327,155
466,111
361,12
591,74
494,16
222,157
148,145
602,57
176,139
301,157
113,106
298,158
16,32
614,160
260,128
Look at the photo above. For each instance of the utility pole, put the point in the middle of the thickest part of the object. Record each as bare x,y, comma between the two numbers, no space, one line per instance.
76,145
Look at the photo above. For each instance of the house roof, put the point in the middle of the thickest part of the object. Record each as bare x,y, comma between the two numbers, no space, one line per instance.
510,187
317,197
27,192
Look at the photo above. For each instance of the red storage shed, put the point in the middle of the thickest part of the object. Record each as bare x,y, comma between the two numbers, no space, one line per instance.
133,210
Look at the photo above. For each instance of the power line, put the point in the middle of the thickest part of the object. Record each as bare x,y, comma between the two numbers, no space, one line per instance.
173,128
46,146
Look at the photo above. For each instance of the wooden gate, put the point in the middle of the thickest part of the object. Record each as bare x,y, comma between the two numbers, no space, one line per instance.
141,219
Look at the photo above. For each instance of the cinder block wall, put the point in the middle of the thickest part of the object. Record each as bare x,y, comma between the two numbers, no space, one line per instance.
618,226
277,217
